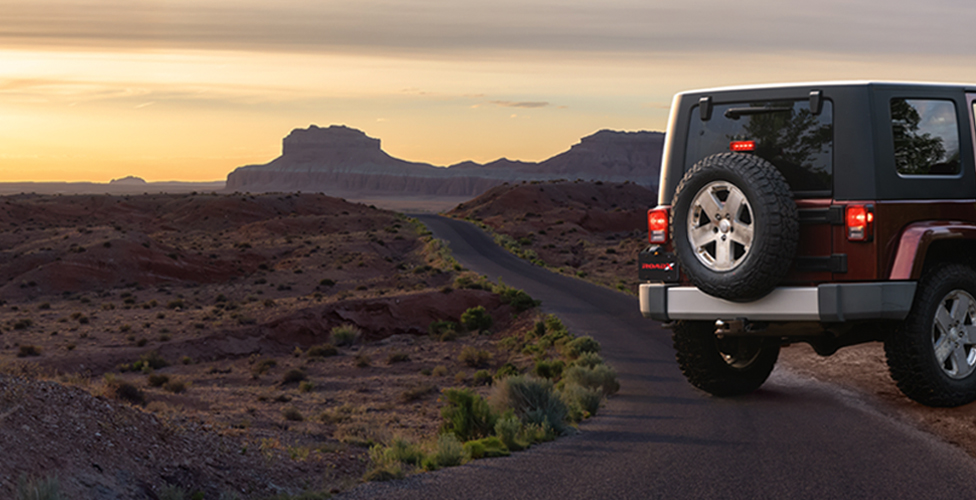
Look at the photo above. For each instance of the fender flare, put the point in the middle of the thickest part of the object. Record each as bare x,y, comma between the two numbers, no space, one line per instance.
915,240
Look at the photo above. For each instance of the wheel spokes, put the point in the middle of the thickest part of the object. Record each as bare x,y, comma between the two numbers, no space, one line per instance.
720,226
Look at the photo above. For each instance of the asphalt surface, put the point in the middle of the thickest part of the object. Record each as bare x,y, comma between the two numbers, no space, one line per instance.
660,438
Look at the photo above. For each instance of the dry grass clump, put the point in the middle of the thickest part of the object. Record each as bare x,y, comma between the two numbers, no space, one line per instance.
474,357
117,388
345,335
27,350
322,351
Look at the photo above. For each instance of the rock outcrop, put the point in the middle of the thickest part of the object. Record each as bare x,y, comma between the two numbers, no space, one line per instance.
346,162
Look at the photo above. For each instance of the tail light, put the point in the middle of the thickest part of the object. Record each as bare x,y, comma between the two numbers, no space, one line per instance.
738,146
657,225
860,222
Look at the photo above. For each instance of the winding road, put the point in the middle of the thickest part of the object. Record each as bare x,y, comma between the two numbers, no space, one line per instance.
660,438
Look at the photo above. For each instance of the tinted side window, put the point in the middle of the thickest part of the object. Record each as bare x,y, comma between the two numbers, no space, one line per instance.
786,133
926,136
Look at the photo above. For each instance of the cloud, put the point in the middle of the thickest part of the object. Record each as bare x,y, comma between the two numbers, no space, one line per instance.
465,28
520,104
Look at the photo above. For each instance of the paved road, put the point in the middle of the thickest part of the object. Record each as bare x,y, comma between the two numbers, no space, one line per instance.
660,438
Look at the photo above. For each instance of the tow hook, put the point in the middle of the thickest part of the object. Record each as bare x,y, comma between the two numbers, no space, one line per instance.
739,326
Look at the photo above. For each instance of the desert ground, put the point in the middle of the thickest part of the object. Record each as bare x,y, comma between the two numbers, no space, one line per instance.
155,341
595,230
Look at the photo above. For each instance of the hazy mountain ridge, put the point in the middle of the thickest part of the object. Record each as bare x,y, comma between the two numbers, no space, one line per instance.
343,161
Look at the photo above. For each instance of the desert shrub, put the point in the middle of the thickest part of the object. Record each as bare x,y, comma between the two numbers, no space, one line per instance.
580,345
482,377
600,377
306,386
362,360
28,350
293,376
176,304
157,380
327,282
416,392
488,447
397,357
117,388
322,351
476,319
360,433
582,402
508,429
291,413
448,452
439,371
474,357
443,330
472,281
539,329
460,377
345,335
506,370
48,488
554,325
153,360
549,368
23,324
518,299
588,360
261,367
467,415
175,386
533,400
44,306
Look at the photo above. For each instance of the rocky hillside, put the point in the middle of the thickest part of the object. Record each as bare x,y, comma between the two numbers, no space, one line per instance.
346,162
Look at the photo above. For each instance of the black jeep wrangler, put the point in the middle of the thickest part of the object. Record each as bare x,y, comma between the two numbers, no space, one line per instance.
827,213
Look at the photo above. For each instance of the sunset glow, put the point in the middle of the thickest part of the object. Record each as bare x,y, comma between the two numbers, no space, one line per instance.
192,90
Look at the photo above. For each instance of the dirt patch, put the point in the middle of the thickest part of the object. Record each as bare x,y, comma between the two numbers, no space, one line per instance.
217,312
592,230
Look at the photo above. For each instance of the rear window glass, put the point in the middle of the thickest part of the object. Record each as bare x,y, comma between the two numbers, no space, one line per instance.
786,133
926,136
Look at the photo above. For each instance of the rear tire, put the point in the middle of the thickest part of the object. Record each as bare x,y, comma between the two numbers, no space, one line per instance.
932,357
730,366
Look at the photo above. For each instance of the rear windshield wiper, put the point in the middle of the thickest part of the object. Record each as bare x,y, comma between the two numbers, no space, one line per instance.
735,113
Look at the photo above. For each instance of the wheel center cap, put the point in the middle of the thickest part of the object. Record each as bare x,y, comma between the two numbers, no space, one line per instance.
953,333
724,225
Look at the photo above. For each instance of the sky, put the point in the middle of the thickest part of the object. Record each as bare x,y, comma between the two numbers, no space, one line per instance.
92,90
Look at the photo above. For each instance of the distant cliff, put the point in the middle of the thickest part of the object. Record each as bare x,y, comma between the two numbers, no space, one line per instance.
346,162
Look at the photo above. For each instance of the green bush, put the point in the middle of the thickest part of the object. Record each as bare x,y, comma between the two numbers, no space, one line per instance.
476,319
322,351
345,335
518,299
507,370
482,377
474,357
508,429
549,368
438,329
581,345
467,415
588,360
533,400
261,367
48,488
487,447
449,452
600,377
582,402
399,450
416,392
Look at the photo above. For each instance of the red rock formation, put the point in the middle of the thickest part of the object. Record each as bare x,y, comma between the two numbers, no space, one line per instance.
342,161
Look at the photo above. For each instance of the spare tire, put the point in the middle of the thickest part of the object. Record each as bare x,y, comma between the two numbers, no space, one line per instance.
735,226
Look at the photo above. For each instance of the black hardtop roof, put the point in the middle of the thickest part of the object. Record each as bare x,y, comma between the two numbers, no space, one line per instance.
807,86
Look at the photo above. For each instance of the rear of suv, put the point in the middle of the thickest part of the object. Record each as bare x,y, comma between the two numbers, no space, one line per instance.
827,213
